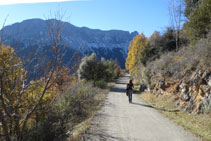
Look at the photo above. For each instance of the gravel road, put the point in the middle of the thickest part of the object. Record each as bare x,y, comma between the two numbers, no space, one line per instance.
120,121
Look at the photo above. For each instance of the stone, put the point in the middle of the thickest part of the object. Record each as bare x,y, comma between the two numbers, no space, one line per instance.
200,72
182,85
190,106
184,95
184,90
162,85
205,74
194,87
196,78
160,94
178,103
207,100
205,88
209,81
200,107
143,87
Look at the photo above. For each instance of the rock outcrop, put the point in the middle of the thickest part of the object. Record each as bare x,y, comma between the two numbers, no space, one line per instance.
193,93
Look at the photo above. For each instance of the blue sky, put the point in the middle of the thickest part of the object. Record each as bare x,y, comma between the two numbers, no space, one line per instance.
131,15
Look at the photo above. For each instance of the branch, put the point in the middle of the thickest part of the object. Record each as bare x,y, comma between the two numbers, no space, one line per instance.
4,125
36,105
2,99
2,31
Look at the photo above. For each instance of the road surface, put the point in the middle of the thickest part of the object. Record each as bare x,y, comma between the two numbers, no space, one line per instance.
120,121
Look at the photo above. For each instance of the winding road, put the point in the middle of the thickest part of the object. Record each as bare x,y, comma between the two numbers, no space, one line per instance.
120,121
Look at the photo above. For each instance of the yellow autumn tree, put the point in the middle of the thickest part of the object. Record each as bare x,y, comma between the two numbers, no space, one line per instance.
135,53
23,103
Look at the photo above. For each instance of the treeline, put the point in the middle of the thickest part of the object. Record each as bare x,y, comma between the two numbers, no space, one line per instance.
48,107
143,51
176,56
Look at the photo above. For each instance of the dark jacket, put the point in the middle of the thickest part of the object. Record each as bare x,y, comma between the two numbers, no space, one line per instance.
130,86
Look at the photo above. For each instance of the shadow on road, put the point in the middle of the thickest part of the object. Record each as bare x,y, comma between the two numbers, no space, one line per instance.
123,83
150,106
122,90
101,136
119,90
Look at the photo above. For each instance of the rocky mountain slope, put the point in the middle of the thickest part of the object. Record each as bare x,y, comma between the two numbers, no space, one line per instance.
34,32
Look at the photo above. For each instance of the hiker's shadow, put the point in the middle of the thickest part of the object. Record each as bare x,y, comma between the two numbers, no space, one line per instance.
150,106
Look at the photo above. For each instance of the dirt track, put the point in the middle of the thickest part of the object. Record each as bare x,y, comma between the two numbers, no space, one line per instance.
120,121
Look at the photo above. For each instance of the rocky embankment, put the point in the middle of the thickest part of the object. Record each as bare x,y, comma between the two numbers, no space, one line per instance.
192,93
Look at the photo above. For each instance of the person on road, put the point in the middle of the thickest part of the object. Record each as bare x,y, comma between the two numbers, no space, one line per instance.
130,90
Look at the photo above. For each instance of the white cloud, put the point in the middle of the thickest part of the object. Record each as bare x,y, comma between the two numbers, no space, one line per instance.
7,2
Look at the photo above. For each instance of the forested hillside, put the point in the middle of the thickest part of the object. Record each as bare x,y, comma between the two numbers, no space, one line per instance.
178,61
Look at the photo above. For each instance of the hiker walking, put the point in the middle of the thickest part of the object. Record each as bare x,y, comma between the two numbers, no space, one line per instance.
129,90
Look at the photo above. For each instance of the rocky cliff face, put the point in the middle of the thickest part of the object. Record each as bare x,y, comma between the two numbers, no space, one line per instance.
185,76
108,44
193,92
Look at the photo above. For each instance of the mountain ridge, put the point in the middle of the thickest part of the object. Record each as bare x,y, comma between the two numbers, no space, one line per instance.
34,32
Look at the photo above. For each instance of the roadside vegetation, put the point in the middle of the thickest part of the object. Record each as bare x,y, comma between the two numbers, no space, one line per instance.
54,106
49,101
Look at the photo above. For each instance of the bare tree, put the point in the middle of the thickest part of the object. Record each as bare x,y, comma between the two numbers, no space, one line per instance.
176,12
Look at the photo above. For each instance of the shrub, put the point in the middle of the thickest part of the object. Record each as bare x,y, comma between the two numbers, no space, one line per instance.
177,64
199,23
75,105
88,68
101,84
99,72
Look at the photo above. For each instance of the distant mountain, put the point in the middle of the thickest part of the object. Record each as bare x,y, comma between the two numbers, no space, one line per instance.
34,32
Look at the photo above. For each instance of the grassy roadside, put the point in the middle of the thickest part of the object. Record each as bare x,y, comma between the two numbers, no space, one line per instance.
80,129
200,125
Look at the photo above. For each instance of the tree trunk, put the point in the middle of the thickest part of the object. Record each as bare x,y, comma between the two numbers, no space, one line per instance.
4,126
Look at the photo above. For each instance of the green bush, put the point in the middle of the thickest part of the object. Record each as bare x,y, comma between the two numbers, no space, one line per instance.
199,23
101,84
91,69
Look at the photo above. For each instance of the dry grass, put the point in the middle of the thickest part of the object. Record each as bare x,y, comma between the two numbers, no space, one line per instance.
81,128
200,125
